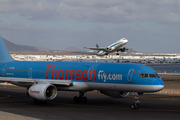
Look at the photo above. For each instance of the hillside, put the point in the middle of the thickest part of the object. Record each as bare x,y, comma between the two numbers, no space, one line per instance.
14,47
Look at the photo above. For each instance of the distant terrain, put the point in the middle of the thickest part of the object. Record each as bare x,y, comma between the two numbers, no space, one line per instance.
27,49
14,47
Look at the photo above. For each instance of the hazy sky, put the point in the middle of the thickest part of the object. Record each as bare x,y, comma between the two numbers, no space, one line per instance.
151,26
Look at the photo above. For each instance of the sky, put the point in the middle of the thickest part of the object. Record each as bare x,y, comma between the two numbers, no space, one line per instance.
151,26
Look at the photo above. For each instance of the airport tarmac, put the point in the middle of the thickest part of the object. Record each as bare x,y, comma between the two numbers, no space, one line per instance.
15,104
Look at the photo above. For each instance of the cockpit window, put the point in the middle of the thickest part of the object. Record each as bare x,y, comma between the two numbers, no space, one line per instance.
152,75
146,75
149,75
157,75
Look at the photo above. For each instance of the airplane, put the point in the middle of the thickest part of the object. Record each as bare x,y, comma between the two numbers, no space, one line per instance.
111,48
43,79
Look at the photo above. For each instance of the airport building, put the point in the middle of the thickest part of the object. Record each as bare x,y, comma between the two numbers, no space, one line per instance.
123,58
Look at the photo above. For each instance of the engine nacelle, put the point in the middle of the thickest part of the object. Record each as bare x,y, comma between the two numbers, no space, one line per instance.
42,91
123,49
107,49
115,94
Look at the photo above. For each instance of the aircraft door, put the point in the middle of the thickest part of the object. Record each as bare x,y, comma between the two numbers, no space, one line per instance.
129,76
30,73
4,70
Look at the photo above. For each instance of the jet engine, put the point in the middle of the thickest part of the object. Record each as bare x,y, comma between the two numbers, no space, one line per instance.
123,49
115,94
42,91
107,49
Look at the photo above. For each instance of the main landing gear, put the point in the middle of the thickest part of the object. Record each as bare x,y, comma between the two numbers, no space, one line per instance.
136,101
81,98
117,53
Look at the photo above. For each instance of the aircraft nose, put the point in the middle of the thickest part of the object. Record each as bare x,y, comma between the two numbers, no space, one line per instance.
158,85
125,40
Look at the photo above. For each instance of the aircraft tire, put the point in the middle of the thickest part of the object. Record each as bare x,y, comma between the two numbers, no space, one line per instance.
84,100
135,106
80,100
76,99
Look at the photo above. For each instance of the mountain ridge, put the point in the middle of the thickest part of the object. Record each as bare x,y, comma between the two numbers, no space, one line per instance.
14,47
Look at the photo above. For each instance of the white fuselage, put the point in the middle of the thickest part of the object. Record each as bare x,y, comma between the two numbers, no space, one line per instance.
113,47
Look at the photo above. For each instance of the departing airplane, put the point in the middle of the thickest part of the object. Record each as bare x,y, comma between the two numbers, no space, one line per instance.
44,78
111,48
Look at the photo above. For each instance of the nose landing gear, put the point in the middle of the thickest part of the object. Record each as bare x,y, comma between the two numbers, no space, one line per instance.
136,101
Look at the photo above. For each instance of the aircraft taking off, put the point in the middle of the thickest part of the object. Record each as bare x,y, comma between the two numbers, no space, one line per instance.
44,78
111,48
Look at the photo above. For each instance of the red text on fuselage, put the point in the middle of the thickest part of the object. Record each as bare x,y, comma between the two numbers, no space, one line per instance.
70,73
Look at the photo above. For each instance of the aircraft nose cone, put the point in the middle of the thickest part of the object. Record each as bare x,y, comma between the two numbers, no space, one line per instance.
158,85
125,40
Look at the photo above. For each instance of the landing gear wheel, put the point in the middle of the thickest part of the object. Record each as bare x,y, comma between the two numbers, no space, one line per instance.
135,106
81,98
117,53
132,106
136,101
76,99
84,99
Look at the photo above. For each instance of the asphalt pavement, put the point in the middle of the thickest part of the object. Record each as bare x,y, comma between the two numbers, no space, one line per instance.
15,104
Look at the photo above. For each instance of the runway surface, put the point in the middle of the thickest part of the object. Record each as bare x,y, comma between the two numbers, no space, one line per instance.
15,104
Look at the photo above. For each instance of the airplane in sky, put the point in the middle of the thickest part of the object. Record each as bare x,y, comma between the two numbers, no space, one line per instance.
43,79
115,47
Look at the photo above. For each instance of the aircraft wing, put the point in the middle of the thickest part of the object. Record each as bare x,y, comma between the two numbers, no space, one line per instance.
94,48
32,81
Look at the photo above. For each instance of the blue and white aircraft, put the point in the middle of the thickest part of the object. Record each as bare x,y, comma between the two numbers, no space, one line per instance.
115,47
44,78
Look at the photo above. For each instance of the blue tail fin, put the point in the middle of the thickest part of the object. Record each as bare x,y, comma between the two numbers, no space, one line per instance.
4,54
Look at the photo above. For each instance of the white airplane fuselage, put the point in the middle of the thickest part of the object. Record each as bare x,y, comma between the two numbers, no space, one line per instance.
113,47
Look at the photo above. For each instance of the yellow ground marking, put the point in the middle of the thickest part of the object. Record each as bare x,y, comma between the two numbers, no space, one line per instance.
5,97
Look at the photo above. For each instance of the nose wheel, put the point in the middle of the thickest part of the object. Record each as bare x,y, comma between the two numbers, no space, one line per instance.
81,98
136,101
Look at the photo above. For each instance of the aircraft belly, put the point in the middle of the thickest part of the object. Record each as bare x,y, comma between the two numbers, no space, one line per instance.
77,86
84,86
121,87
